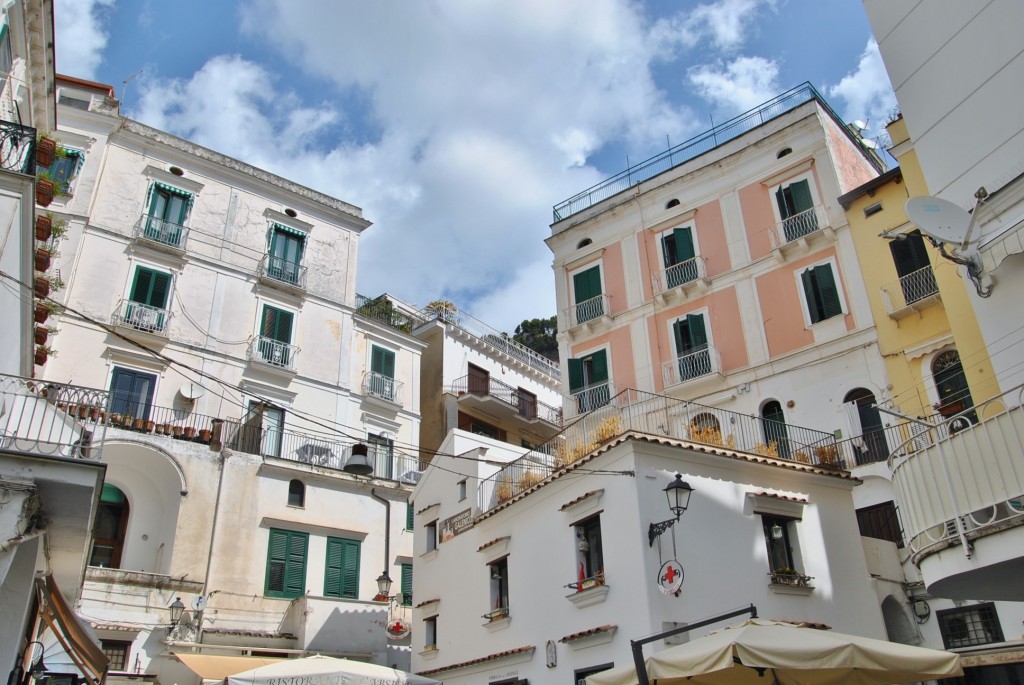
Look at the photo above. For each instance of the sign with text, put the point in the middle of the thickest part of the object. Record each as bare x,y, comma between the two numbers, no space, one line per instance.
459,523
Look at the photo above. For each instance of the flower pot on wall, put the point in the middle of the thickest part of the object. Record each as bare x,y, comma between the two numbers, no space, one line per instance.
41,334
42,313
46,150
189,433
42,287
43,257
204,435
44,192
44,227
41,356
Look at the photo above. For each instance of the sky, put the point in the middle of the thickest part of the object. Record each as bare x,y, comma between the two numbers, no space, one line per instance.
456,125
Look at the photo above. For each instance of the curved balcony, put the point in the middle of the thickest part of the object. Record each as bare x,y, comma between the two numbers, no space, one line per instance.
161,233
283,273
961,500
704,362
143,318
381,387
273,353
52,419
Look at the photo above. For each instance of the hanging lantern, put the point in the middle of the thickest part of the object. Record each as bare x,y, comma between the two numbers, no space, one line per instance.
359,463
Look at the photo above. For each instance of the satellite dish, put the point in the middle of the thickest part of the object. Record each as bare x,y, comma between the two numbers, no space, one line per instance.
192,391
939,219
858,124
199,603
868,143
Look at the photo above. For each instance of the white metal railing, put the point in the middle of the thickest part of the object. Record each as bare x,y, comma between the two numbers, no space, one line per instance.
161,231
283,271
142,317
702,362
594,308
384,387
52,419
679,274
966,478
914,287
274,352
588,399
800,225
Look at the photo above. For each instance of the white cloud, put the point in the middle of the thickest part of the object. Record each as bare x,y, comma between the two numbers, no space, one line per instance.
79,23
866,91
724,24
739,85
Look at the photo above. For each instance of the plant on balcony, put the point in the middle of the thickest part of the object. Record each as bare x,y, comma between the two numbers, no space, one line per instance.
710,435
570,452
503,491
42,287
827,456
42,333
43,353
529,479
48,186
788,576
443,310
769,450
44,256
59,229
46,149
608,429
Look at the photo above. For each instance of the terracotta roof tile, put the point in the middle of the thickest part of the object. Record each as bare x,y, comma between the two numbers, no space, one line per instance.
582,497
490,657
572,637
493,542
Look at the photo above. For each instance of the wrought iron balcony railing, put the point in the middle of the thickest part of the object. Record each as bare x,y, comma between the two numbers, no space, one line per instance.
161,231
283,271
525,403
799,226
273,352
142,317
383,387
679,274
17,148
914,288
588,399
588,310
702,362
52,419
641,412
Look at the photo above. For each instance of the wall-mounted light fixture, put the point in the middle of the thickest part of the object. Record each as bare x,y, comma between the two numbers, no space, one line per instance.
359,463
176,610
678,495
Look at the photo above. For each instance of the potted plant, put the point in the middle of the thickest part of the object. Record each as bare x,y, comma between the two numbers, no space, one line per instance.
42,354
43,257
205,434
139,424
59,229
41,334
176,432
95,414
44,226
189,433
46,149
149,426
43,310
48,186
42,287
55,283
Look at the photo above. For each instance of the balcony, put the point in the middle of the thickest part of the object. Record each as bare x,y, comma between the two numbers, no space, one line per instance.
588,399
911,293
161,234
703,363
800,230
51,419
664,417
273,354
961,500
142,318
678,280
589,312
17,148
381,387
282,273
506,402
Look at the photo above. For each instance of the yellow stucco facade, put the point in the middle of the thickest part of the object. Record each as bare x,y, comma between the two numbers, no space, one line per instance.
922,316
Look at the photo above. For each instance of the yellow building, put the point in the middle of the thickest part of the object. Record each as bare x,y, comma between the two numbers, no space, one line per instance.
928,334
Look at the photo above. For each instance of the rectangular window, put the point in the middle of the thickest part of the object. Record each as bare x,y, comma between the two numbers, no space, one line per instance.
286,249
286,563
409,520
168,208
969,626
407,585
276,336
341,578
382,453
479,380
430,533
821,293
588,381
118,651
678,255
131,393
462,489
587,290
693,358
881,522
780,551
498,573
65,167
382,377
430,633
272,424
796,207
590,555
917,280
148,297
580,675
527,403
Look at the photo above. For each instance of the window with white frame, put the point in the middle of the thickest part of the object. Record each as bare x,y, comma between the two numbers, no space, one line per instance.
779,537
275,337
284,253
430,534
165,219
969,626
146,307
430,633
589,552
678,255
795,202
588,380
587,290
820,292
381,382
693,355
498,573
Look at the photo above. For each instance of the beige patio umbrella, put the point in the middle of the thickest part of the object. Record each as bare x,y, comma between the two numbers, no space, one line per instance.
325,670
762,652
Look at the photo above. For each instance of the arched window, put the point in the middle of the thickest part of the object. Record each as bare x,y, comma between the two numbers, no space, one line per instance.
951,384
296,493
774,428
109,530
872,445
584,243
783,152
706,428
672,203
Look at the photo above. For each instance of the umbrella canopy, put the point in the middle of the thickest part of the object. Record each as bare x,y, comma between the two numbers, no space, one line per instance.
325,670
761,652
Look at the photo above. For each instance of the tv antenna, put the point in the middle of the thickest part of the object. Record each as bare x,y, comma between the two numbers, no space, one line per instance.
124,86
947,223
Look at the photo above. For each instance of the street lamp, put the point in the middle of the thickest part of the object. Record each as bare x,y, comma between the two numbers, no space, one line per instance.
359,463
384,585
678,495
176,609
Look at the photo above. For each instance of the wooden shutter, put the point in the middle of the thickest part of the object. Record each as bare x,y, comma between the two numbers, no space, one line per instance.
599,367
382,361
828,290
295,571
277,561
781,201
342,574
698,334
811,293
406,584
683,238
681,332
286,564
277,324
587,284
575,374
408,516
909,254
800,193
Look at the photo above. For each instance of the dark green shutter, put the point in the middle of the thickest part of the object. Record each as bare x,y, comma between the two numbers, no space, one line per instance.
780,200
829,292
681,331
811,293
382,361
277,324
698,334
599,366
587,284
683,238
286,564
575,374
287,245
151,287
406,584
342,573
408,516
801,194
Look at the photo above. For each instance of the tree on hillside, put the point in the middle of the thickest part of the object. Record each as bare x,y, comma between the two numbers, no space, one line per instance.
539,336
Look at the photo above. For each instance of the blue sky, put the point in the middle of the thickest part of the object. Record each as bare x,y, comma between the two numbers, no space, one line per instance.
457,124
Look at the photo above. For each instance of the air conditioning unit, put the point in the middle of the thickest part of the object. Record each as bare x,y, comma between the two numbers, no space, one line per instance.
412,477
144,318
277,356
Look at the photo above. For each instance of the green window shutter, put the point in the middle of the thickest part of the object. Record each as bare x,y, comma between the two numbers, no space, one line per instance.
141,286
810,284
599,367
406,584
829,292
587,284
575,374
698,334
780,200
277,324
800,192
287,244
341,578
286,564
683,238
681,333
151,287
408,516
382,361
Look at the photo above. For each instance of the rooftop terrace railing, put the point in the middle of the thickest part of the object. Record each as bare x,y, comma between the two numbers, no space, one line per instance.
692,148
51,419
525,404
664,417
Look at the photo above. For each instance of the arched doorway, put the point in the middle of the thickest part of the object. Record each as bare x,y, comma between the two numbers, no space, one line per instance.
951,385
774,427
109,530
864,415
898,627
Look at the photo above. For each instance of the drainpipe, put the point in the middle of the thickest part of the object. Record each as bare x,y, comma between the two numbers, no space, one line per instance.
387,528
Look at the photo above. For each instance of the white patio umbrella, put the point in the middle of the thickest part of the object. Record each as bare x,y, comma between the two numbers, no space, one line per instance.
762,652
325,670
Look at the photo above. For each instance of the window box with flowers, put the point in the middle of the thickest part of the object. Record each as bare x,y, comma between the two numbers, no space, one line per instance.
789,577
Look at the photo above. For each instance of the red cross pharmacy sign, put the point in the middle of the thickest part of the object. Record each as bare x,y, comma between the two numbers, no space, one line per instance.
670,577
